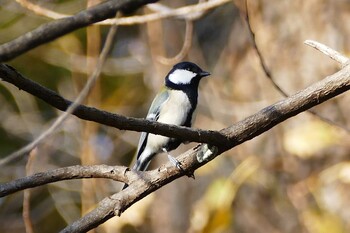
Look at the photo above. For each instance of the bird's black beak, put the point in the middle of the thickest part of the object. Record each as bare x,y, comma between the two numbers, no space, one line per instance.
204,74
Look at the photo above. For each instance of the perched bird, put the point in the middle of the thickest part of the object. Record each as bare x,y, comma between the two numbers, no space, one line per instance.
175,104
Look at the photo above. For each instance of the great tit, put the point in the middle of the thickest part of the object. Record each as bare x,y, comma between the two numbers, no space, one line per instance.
175,104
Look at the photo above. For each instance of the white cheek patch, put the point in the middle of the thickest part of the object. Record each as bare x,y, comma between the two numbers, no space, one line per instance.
182,76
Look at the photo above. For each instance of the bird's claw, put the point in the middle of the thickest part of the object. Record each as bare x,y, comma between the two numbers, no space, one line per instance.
175,162
206,153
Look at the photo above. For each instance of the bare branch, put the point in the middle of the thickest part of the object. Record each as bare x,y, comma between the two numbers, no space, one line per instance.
28,225
82,95
219,139
68,173
328,51
335,55
244,130
10,75
55,29
187,12
261,58
41,10
185,47
142,184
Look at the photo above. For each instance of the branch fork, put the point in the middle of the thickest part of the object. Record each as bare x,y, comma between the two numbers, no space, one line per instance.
143,183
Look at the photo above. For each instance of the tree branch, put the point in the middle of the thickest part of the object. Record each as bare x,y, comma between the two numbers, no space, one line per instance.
244,130
336,56
149,181
9,74
161,12
67,173
221,139
81,96
326,50
57,28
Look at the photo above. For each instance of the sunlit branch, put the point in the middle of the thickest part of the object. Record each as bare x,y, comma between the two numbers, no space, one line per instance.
116,173
240,132
39,10
55,29
162,12
335,55
323,48
10,75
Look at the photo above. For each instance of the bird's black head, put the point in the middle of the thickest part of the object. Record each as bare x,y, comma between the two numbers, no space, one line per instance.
185,75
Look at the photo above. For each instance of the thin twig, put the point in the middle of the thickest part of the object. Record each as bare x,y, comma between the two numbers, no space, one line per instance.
323,48
117,173
147,182
55,29
41,10
10,75
240,132
185,48
195,14
82,95
261,58
335,55
162,12
179,12
26,196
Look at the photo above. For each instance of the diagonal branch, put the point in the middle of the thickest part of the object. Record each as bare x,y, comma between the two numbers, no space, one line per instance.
260,56
326,50
238,133
335,55
217,138
57,28
81,96
192,12
9,74
252,126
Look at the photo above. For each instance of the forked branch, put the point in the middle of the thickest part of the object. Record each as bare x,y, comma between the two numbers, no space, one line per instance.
148,182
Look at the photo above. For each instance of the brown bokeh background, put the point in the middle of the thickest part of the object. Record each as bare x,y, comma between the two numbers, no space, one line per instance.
293,178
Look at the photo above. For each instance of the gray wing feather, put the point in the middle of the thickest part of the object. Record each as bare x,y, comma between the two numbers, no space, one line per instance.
153,115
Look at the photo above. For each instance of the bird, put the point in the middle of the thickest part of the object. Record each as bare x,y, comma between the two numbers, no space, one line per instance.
175,104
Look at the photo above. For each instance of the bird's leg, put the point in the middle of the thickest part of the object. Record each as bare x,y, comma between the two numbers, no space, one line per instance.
177,164
173,160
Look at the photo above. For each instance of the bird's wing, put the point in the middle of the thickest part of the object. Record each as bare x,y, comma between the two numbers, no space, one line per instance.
152,115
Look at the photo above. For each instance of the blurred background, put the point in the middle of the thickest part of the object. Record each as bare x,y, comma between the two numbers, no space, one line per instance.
293,178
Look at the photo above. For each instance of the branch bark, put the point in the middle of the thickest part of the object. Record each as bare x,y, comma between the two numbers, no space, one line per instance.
10,75
328,51
67,173
147,182
244,130
58,28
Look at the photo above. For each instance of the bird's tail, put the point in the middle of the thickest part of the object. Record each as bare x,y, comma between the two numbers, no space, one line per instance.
142,163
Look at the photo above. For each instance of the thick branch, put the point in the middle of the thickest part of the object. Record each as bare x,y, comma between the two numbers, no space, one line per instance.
328,51
148,182
10,75
57,28
236,134
223,139
242,131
